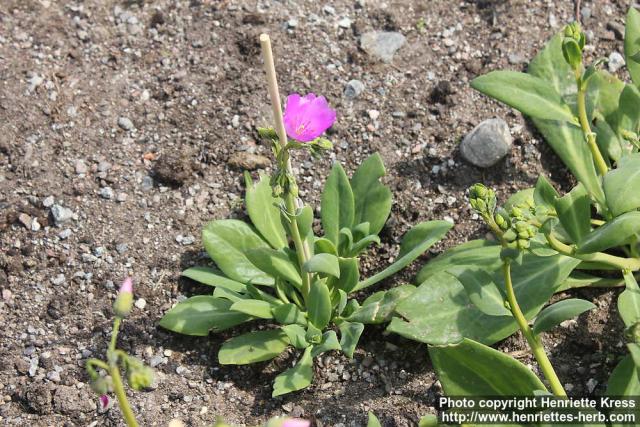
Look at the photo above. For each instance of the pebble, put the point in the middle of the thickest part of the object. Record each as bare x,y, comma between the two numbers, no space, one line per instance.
64,234
181,370
344,23
616,61
382,44
122,248
48,201
235,121
487,143
58,280
81,167
25,220
292,23
147,183
141,303
35,225
373,114
125,123
515,59
104,167
353,89
54,376
329,10
106,193
61,214
157,360
121,197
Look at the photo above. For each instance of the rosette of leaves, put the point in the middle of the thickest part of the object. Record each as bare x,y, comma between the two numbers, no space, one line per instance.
257,276
587,237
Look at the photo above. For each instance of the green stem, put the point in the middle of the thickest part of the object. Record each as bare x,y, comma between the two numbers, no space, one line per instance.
116,379
599,161
533,340
632,264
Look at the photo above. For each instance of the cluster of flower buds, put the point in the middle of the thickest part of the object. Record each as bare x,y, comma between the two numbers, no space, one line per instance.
631,137
520,234
139,376
483,201
632,333
573,44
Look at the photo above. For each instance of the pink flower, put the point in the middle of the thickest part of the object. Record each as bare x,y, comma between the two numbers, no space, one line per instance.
104,402
295,422
127,285
307,117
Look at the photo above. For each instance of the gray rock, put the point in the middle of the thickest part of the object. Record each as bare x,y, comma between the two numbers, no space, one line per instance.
147,183
48,201
121,197
353,89
122,248
69,400
104,167
382,44
616,61
106,193
487,143
81,167
292,23
58,280
65,234
125,123
344,23
61,214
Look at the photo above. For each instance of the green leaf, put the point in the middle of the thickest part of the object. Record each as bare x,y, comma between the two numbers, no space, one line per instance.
428,420
228,294
337,204
296,335
288,313
417,240
621,185
213,277
481,290
253,307
227,242
325,246
296,378
305,221
614,233
484,253
200,314
349,337
440,312
329,342
473,369
276,264
574,212
624,380
373,420
264,212
528,94
372,200
627,116
632,44
319,304
349,275
544,193
253,347
629,301
379,307
566,139
323,263
607,140
362,244
557,313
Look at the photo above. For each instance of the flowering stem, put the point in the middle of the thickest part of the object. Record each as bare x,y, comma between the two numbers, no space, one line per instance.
116,379
302,249
632,264
601,165
532,339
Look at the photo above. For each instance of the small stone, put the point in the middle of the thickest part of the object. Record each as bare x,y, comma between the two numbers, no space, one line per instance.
344,23
121,197
248,161
585,12
157,360
48,201
104,167
35,225
353,89
235,121
61,214
106,193
381,44
122,248
292,23
329,10
181,370
487,143
616,61
373,114
147,183
81,167
617,29
54,376
58,280
64,234
515,59
591,385
141,303
25,220
125,123
187,240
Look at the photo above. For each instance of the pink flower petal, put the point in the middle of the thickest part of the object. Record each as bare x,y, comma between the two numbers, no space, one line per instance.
104,401
127,285
308,117
295,422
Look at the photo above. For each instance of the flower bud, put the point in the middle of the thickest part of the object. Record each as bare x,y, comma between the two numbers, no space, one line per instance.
100,385
139,376
124,301
632,333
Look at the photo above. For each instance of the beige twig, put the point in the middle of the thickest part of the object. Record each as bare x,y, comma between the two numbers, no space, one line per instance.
272,83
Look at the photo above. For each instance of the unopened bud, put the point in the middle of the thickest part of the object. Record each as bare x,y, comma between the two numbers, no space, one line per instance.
632,333
124,301
139,376
100,386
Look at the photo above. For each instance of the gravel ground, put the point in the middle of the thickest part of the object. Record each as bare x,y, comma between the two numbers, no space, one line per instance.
125,126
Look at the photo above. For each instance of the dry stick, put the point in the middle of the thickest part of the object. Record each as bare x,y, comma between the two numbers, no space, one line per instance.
291,203
577,10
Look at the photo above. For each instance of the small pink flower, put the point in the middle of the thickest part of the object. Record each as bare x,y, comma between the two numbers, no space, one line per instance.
104,402
295,422
127,285
307,117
